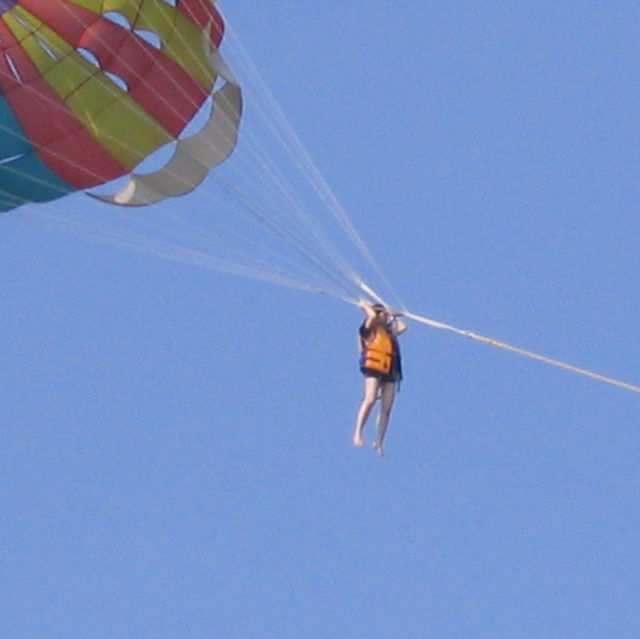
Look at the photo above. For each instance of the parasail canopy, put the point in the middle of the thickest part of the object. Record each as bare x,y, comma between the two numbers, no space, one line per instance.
90,88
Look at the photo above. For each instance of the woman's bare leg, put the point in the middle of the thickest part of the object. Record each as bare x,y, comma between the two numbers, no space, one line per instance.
387,394
371,386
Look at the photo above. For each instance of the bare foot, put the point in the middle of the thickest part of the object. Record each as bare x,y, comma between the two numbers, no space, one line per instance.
358,441
378,448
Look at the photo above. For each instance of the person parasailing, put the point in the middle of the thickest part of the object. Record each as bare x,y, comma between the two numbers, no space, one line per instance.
381,365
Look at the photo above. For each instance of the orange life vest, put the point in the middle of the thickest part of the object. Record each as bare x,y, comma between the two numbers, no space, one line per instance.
378,351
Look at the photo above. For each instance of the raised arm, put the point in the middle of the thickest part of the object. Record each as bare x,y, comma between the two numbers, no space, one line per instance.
369,311
399,326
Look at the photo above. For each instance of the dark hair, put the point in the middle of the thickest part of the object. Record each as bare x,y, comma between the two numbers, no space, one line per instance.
379,308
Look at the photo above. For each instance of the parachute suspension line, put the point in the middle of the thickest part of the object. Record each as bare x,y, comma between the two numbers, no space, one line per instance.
140,243
296,151
291,142
520,351
296,207
304,163
286,235
297,210
202,236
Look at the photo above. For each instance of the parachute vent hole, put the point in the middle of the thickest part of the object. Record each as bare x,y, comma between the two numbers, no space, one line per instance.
24,23
150,37
89,57
171,3
199,119
47,49
117,18
157,160
118,81
11,158
13,67
219,83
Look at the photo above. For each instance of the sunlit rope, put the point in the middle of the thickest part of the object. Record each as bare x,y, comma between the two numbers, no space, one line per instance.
520,351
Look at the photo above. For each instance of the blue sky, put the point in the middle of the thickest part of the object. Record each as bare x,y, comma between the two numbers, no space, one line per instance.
175,456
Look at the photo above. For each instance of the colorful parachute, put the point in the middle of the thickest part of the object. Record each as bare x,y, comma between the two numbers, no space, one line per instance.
89,88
